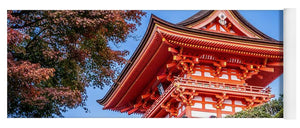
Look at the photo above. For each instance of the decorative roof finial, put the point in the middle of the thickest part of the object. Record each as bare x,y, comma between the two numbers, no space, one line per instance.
222,20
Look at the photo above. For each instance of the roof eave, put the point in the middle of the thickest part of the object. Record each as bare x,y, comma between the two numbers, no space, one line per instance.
131,60
240,17
196,17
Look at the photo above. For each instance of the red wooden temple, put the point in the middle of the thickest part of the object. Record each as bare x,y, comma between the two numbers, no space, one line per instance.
212,64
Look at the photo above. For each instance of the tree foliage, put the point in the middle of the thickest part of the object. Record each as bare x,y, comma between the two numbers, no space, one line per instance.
53,55
272,109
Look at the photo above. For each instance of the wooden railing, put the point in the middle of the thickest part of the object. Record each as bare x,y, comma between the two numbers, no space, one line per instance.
158,101
222,86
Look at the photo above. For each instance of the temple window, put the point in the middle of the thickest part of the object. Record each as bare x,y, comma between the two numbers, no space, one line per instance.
207,74
224,76
197,73
234,77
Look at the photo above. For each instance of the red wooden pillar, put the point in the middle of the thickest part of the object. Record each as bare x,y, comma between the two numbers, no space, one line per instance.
219,112
188,111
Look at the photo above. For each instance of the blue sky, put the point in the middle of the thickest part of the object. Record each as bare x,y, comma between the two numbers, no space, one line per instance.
267,21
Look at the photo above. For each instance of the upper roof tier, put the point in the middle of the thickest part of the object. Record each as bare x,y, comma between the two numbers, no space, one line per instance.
230,17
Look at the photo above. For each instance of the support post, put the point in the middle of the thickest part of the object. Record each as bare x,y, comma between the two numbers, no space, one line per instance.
188,112
219,112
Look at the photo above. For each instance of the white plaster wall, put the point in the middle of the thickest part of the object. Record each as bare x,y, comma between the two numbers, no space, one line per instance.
224,76
238,102
209,106
227,108
213,28
197,73
197,105
198,98
234,77
207,74
227,102
209,99
202,114
238,109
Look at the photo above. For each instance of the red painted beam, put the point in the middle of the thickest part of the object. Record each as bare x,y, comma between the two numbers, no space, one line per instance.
177,58
275,64
170,65
145,95
132,111
137,105
125,109
172,50
267,69
160,77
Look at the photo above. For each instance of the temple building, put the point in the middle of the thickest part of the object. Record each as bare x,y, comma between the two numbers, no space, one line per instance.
212,64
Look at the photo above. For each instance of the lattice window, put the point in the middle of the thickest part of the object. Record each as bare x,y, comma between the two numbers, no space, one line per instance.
235,60
207,57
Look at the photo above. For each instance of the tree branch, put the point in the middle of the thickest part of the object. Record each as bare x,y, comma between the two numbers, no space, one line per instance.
34,38
26,25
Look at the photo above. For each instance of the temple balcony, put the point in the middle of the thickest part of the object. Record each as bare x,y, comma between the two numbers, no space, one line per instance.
208,85
184,90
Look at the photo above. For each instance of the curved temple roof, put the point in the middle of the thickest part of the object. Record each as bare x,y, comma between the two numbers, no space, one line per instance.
205,13
182,26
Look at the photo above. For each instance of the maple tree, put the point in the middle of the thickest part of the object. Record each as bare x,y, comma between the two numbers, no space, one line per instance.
53,55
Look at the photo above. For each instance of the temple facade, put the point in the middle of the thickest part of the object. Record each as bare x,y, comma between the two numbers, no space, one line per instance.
212,64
